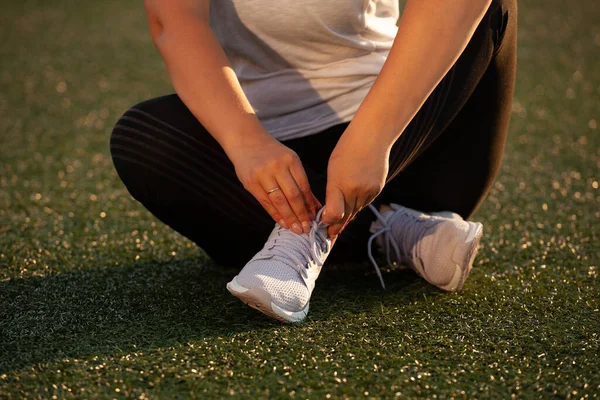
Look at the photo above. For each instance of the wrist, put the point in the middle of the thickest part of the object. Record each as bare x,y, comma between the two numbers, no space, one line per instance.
250,135
368,140
380,124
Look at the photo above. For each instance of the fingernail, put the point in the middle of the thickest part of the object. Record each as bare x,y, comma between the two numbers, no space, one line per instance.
283,224
306,227
296,229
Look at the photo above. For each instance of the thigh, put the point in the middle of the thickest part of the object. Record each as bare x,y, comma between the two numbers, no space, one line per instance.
456,172
176,169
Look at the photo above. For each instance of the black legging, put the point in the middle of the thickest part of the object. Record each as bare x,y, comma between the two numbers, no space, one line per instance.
446,159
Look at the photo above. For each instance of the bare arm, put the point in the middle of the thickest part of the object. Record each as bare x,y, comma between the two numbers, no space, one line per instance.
206,83
200,70
431,36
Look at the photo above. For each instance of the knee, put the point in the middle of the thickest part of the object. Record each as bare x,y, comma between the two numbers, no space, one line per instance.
498,20
157,140
506,5
128,152
128,128
135,144
145,127
502,15
127,139
152,123
140,118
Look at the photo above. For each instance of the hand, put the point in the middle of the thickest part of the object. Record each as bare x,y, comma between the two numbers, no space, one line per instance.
267,164
356,174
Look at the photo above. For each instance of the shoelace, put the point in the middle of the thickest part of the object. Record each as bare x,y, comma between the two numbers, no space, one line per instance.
410,235
287,245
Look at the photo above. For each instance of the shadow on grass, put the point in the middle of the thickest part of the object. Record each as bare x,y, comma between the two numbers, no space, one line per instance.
151,305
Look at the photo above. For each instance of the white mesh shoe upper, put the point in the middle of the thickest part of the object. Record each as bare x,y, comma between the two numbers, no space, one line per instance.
288,265
432,244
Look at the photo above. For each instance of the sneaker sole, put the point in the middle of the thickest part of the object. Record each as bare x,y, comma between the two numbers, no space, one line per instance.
260,300
460,273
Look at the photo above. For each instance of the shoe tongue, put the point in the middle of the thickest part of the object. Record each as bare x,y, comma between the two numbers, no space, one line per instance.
299,246
281,238
298,254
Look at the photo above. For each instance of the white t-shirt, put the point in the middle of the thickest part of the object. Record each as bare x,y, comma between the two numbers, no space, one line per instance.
305,65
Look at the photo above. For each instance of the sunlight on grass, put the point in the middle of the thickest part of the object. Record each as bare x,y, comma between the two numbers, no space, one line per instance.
99,299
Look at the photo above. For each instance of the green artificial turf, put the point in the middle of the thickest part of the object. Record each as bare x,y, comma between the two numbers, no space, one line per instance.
100,300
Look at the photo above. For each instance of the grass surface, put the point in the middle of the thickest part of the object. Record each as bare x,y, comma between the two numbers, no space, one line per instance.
98,299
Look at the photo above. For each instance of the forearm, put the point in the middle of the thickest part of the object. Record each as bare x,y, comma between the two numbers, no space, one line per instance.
431,36
203,78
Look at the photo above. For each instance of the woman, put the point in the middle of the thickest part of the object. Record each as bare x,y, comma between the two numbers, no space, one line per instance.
282,105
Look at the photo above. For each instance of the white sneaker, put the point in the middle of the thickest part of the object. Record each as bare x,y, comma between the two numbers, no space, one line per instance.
440,247
279,279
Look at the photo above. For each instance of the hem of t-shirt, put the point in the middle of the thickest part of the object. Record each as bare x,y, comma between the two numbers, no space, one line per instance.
323,124
314,128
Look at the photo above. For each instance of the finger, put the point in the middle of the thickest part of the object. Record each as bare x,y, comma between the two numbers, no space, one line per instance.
279,200
348,220
334,230
334,205
338,227
365,201
360,204
301,179
259,193
295,198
